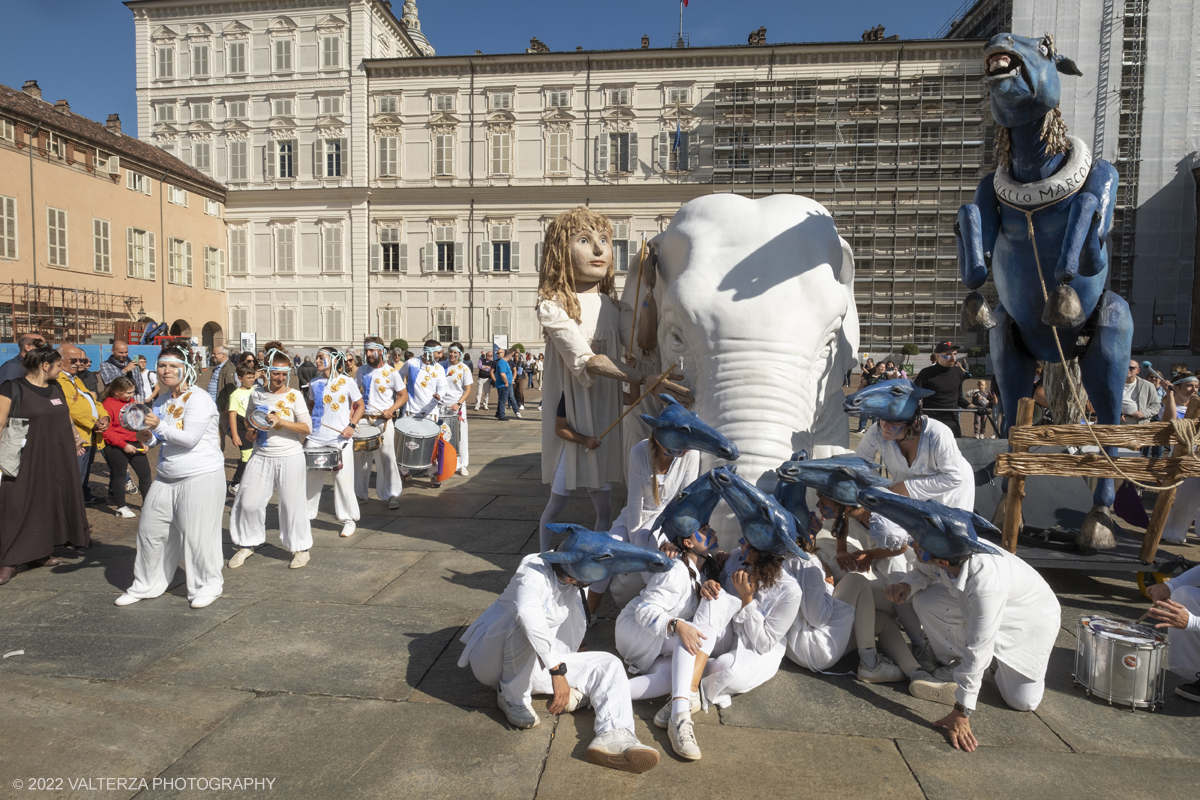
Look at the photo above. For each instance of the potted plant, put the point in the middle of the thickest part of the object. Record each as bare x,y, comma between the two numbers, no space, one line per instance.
520,348
909,349
399,344
977,370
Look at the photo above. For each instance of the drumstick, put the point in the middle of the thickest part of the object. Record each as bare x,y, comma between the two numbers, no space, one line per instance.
1142,618
645,394
339,430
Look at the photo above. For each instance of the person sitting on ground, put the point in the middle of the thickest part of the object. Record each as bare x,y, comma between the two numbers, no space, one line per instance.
1177,607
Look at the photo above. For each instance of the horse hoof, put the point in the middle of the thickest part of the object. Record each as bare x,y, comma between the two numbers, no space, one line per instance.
1096,532
1063,308
977,316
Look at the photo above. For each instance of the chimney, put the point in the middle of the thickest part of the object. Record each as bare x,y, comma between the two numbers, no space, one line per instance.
62,107
32,89
645,42
113,124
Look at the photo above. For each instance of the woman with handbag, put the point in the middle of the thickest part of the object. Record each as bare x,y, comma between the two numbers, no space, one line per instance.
40,507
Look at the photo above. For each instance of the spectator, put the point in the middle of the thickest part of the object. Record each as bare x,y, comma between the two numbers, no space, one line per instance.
296,361
89,416
120,364
503,378
1140,402
14,368
220,385
518,396
871,376
984,397
41,510
891,373
1185,511
89,378
945,378
147,379
235,421
123,449
485,380
306,372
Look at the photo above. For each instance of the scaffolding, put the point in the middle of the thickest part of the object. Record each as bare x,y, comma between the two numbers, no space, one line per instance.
892,157
1129,147
63,313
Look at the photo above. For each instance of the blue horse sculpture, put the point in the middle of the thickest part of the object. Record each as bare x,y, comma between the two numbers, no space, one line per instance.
1040,222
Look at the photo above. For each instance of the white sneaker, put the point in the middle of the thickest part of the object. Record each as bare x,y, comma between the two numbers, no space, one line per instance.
575,701
394,503
926,687
520,408
1165,540
463,471
299,559
126,600
683,737
348,528
203,602
239,558
522,717
885,671
517,415
620,749
124,512
130,487
663,718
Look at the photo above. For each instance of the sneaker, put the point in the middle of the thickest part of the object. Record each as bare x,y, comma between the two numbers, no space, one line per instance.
435,484
885,671
299,559
233,488
463,471
124,512
923,653
520,408
620,749
946,672
239,558
925,686
126,600
522,717
203,602
348,528
130,487
1190,691
575,701
663,718
1165,540
683,737
517,415
393,503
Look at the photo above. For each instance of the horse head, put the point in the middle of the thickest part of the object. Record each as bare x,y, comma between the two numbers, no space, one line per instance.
1022,76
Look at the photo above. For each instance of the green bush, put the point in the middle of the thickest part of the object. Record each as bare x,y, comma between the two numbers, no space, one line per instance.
520,348
910,349
975,352
399,344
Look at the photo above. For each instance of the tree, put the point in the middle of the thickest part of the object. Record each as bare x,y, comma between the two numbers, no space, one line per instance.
399,344
910,349
520,348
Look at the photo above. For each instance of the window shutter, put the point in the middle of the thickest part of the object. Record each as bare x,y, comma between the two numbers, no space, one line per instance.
343,159
129,180
693,150
150,257
376,258
458,256
429,258
633,154
537,256
187,263
664,150
514,256
485,256
403,258
269,160
602,153
146,184
129,267
221,270
319,159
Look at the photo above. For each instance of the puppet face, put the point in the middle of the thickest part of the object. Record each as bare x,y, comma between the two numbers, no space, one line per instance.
591,256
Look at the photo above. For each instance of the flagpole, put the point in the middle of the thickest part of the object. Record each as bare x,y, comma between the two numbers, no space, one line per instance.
681,20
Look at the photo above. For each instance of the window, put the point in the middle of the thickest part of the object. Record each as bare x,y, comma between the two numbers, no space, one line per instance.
558,152
56,237
101,246
930,131
137,182
394,254
238,168
500,322
164,112
239,321
331,52
8,227
501,154
389,104
502,101
280,159
235,109
281,107
329,157
620,246
179,262
236,53
388,162
331,105
139,254
443,236
283,55
7,132
214,269
501,248
617,152
166,62
202,156
677,150
56,145
201,111
619,97
212,208
177,196
199,61
333,248
444,322
286,330
237,251
285,250
677,97
558,99
443,102
389,324
443,154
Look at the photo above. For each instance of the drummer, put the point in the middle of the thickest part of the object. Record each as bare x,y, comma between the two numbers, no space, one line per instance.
337,406
1177,606
459,387
277,464
426,383
383,392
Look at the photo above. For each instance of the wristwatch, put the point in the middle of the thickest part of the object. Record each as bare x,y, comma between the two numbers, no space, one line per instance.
671,626
560,670
960,708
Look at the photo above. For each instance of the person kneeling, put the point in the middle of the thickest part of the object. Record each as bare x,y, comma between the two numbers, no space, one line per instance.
1177,606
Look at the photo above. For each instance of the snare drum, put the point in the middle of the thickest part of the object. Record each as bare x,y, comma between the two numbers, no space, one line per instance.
133,416
367,438
415,438
1120,661
327,459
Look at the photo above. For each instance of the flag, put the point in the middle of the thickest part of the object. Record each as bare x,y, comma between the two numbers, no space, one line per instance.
685,2
678,141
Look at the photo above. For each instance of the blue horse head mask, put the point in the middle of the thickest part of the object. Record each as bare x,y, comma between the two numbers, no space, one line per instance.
678,429
941,531
766,525
1022,77
895,401
689,510
840,478
589,557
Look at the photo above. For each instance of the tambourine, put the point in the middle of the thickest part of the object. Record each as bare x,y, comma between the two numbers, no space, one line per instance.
133,416
259,419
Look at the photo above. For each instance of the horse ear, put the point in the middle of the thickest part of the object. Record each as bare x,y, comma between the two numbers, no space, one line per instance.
555,557
649,420
920,394
1066,66
983,524
667,400
844,271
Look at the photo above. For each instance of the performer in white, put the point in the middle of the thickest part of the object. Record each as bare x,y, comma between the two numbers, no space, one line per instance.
1177,606
460,385
821,634
337,406
181,515
277,464
425,381
384,393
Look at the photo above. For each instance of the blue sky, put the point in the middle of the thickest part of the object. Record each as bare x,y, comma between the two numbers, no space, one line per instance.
82,50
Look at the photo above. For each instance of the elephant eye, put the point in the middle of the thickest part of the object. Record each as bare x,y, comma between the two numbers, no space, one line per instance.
676,341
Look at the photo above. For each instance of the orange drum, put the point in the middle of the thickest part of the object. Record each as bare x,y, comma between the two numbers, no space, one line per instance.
445,460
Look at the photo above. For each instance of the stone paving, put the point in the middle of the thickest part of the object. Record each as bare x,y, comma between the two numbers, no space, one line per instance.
339,681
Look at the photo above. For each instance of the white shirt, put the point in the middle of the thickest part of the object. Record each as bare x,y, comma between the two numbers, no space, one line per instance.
821,632
423,382
379,387
458,378
189,435
332,403
641,512
290,407
939,471
764,622
642,624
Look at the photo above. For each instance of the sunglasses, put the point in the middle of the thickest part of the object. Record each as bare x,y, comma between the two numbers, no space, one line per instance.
1132,369
77,360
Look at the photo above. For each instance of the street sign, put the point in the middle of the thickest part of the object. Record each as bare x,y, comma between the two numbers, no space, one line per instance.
249,342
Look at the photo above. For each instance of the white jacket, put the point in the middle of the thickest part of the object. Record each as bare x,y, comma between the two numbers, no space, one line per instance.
642,625
821,632
939,472
640,512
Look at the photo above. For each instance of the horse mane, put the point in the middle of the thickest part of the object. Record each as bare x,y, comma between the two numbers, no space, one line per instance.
1056,377
1054,134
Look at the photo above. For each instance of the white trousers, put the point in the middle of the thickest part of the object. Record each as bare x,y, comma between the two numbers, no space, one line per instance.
181,518
1185,511
515,671
462,442
732,668
483,385
387,472
345,504
263,476
946,631
1185,645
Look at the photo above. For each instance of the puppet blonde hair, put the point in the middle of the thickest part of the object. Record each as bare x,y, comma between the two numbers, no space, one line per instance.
556,281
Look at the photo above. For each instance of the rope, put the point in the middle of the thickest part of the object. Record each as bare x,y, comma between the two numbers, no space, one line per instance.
1186,433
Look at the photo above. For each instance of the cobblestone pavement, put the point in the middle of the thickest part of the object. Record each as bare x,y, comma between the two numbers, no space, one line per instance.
339,681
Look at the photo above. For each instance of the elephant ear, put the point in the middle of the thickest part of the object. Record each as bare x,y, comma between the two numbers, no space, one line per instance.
844,271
